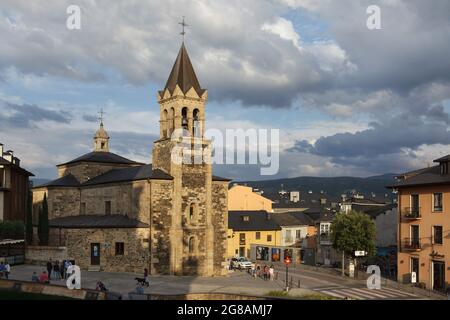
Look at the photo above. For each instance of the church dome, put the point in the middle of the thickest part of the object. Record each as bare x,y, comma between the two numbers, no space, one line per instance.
101,133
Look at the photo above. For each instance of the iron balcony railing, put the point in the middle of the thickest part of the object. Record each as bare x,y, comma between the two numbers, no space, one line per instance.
411,213
411,244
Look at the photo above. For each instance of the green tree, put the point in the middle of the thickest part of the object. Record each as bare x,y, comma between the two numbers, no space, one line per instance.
353,231
43,227
29,219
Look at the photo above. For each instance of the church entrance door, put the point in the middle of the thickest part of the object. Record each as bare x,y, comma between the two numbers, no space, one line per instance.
95,254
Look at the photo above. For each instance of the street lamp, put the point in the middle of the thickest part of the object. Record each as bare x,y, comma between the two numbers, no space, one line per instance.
287,262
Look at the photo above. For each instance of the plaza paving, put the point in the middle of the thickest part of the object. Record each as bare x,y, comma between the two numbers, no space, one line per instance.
237,282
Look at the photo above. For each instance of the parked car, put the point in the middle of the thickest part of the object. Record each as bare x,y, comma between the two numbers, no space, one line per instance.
241,263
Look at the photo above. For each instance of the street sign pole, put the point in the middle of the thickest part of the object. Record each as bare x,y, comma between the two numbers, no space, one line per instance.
287,283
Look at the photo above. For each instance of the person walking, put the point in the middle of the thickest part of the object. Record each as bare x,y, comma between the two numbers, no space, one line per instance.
56,272
258,271
7,270
252,270
49,269
271,272
61,269
147,283
266,272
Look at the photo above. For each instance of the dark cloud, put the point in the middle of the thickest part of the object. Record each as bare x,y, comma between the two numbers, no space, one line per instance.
384,146
26,115
89,118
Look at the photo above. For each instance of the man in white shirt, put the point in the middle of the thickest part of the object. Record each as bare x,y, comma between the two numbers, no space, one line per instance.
7,270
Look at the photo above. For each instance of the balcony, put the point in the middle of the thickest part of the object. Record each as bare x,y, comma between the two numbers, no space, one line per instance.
325,238
411,213
411,245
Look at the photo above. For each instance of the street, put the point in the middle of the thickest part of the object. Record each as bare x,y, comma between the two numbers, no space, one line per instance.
238,282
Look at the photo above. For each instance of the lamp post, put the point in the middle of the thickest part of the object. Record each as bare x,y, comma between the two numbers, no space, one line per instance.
287,262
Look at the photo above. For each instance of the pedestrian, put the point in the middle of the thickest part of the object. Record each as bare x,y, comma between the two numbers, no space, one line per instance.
61,269
34,277
43,278
271,272
146,281
266,272
66,266
56,272
49,269
252,270
7,270
258,270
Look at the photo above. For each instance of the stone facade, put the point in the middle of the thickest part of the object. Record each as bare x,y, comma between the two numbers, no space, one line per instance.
134,259
186,213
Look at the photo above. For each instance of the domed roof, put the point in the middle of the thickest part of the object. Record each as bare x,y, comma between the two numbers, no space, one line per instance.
101,133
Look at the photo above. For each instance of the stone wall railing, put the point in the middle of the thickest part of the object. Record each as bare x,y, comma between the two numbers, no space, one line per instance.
41,254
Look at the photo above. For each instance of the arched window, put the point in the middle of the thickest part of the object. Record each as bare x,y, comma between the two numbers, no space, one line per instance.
184,119
172,120
164,123
192,212
196,126
191,244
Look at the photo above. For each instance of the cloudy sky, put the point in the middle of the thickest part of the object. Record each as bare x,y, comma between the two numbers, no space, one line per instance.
347,100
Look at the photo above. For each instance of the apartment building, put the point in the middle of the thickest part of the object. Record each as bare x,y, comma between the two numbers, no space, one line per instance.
14,186
424,226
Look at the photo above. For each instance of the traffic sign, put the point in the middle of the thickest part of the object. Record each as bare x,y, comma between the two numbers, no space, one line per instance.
413,277
360,253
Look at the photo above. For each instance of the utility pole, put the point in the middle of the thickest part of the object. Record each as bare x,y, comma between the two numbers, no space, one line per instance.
343,263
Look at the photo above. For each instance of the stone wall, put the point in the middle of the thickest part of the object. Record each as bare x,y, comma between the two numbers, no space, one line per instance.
134,259
161,222
41,254
129,198
220,223
84,171
62,202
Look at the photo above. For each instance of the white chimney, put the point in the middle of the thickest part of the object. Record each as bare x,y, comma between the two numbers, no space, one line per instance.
8,156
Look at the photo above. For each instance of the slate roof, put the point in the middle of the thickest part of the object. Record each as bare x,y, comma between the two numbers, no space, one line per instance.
102,157
374,212
286,219
258,221
428,176
65,181
217,178
7,163
183,75
129,174
97,221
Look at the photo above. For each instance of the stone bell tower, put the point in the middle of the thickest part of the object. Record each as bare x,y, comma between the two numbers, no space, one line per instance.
182,109
101,139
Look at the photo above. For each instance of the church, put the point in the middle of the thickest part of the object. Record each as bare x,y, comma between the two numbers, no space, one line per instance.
114,214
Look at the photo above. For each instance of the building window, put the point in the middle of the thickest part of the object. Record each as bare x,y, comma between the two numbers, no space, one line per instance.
444,168
269,238
258,235
298,234
120,248
437,235
242,239
107,207
191,213
437,202
245,218
289,236
191,244
83,208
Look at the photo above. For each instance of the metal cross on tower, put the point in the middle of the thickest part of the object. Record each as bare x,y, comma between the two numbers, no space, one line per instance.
101,112
183,24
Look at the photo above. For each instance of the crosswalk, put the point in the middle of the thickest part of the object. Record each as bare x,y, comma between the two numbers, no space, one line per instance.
366,294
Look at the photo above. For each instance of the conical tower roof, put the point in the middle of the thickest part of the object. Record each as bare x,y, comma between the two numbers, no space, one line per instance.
183,74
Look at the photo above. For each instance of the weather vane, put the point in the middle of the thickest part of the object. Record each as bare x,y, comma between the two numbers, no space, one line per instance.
183,24
101,116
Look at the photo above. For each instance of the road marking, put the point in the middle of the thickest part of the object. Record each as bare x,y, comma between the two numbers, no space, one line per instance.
366,294
370,293
332,293
401,292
